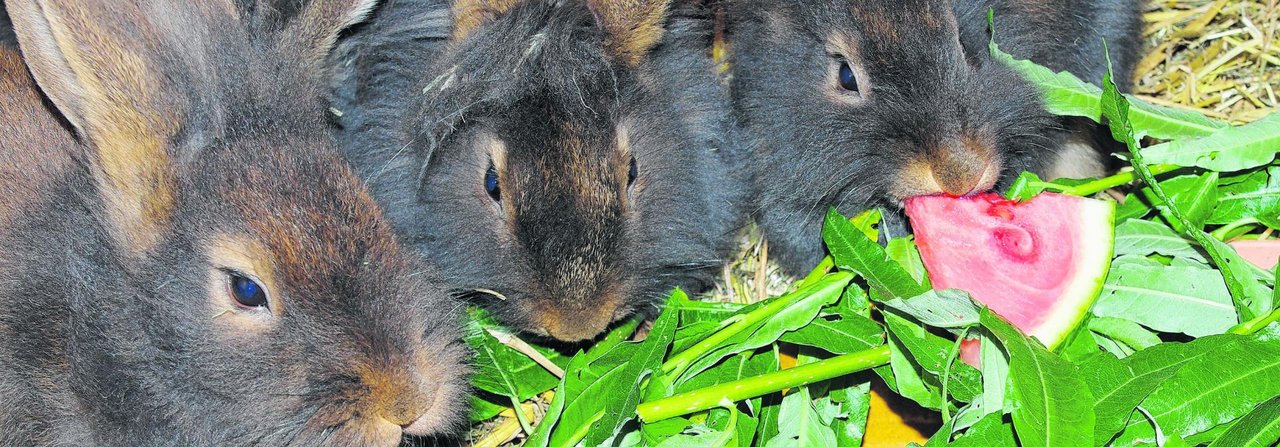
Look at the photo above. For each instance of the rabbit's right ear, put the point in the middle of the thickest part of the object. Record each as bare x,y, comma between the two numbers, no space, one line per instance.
100,62
470,14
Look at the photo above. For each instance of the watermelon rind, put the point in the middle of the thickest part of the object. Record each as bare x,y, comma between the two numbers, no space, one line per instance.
1096,246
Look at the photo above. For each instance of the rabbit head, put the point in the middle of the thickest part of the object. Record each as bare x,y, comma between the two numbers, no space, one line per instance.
226,277
864,104
566,161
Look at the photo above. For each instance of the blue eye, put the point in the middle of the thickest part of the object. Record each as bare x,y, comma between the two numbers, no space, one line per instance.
847,80
491,183
246,292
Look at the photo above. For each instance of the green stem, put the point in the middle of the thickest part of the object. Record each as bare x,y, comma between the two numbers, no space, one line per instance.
675,365
1121,179
747,388
823,267
1256,324
584,429
1224,232
520,416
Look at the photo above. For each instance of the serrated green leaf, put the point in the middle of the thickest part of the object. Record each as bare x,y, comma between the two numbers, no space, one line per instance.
1168,299
1255,195
903,250
1124,331
1120,385
621,383
930,353
1144,237
1066,94
842,332
950,309
991,431
1237,274
1259,428
799,423
852,251
1226,150
793,311
1210,390
1052,406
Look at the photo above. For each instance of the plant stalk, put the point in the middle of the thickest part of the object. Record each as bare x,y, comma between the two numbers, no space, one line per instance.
1120,179
726,393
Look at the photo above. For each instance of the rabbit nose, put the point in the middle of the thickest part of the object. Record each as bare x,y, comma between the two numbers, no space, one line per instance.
964,178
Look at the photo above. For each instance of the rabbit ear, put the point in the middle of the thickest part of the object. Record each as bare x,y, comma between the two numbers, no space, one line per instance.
101,65
633,26
316,29
470,14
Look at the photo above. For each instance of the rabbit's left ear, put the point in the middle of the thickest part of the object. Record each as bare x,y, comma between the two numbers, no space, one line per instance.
633,27
102,64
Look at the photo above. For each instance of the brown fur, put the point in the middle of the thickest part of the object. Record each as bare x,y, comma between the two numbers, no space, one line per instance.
131,164
634,26
24,174
470,14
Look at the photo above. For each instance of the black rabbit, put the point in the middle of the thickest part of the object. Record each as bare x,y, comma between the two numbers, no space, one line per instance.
565,161
185,257
863,104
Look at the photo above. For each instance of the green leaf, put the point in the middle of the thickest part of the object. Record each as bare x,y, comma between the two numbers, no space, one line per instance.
622,383
852,251
799,423
1120,385
1235,271
1212,389
950,308
903,251
1228,149
705,435
1196,200
1144,237
841,332
991,431
1051,404
1259,428
1065,94
1256,195
766,324
1168,299
1124,331
853,402
930,353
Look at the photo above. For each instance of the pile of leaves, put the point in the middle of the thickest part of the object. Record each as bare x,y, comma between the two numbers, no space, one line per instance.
1180,348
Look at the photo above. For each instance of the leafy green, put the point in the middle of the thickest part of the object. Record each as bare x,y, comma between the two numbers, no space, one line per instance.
1259,428
1051,405
1186,300
1227,149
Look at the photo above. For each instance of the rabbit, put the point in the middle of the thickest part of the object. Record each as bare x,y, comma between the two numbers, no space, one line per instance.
566,163
856,105
185,256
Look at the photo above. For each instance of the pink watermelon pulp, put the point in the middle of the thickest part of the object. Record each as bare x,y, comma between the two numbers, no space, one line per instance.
1039,263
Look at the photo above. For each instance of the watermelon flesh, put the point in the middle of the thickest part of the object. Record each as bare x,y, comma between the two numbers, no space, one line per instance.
1038,263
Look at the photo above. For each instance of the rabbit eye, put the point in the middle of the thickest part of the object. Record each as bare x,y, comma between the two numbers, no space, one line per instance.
847,79
247,292
632,172
491,183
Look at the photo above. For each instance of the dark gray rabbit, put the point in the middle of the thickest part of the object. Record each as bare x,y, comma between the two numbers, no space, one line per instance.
859,104
185,257
564,161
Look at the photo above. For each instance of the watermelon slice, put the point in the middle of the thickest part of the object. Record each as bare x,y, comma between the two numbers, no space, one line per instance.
1039,263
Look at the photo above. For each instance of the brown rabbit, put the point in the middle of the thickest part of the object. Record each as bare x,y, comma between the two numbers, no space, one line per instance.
185,259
